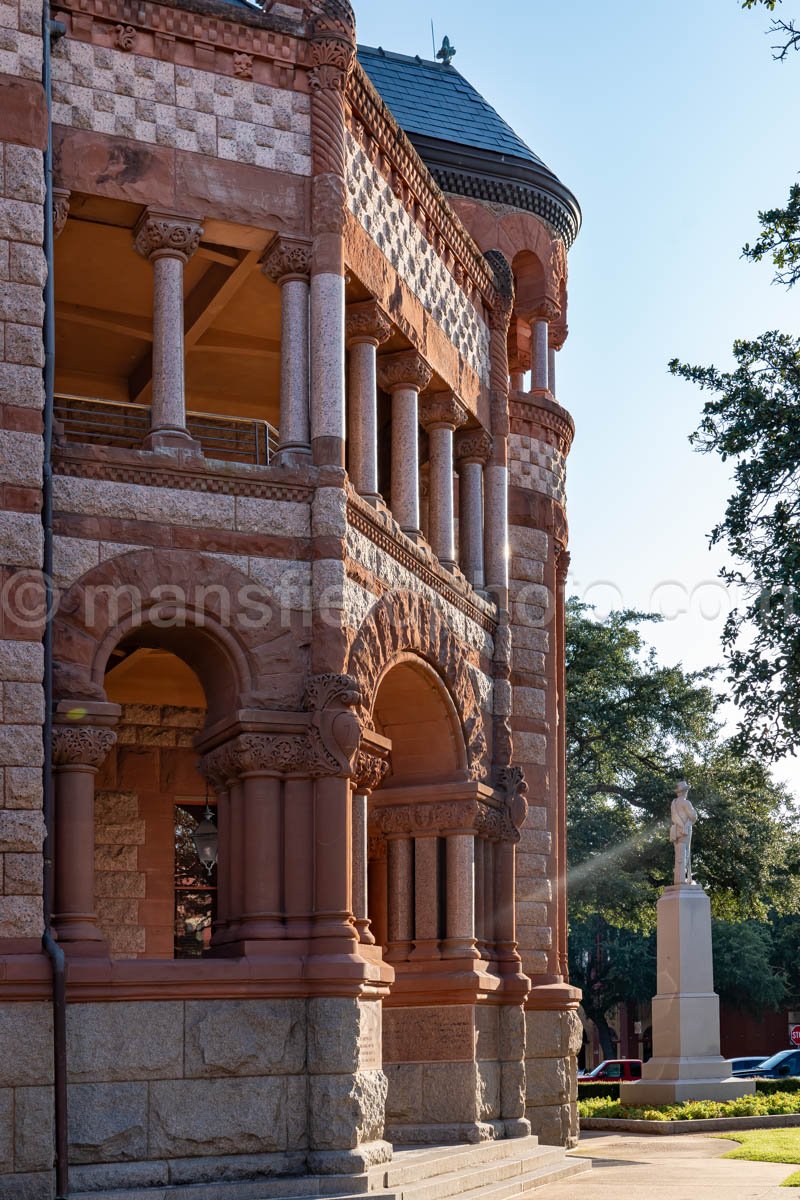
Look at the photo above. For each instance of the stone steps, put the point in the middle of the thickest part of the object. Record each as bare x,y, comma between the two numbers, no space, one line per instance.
501,1170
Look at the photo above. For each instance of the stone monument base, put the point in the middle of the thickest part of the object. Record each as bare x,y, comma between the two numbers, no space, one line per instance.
686,1064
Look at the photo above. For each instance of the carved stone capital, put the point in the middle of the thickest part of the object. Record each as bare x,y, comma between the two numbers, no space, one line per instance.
473,446
332,60
442,409
370,771
404,370
287,258
82,745
447,817
544,310
367,322
558,333
563,559
60,209
160,234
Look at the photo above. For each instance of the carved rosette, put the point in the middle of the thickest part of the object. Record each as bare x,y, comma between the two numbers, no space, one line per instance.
442,410
404,370
60,209
367,322
473,446
162,234
125,37
287,258
82,745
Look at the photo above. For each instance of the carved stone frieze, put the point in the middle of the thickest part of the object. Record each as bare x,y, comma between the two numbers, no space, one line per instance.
447,817
404,370
442,408
159,233
82,745
287,258
367,322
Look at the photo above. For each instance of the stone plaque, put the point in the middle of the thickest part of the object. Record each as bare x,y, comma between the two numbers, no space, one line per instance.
445,1034
369,1040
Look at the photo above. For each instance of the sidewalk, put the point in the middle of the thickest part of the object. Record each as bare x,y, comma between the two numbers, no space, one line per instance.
686,1167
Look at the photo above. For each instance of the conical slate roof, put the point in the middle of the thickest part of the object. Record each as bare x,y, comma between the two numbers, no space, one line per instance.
466,145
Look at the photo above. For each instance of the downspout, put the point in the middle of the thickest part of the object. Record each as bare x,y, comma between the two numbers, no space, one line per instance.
51,31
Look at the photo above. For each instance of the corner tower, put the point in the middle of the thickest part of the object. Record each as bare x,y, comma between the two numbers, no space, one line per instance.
512,203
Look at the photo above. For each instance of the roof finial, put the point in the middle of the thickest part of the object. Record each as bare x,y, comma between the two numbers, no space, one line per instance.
447,52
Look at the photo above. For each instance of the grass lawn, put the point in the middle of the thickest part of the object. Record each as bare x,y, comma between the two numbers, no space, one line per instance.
768,1145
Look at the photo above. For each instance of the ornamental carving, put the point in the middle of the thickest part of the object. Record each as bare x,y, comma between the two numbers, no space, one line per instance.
473,445
159,234
511,781
242,65
558,263
331,64
545,310
335,731
370,771
367,322
82,745
563,559
328,204
404,370
442,408
124,37
287,258
500,313
60,209
408,622
470,816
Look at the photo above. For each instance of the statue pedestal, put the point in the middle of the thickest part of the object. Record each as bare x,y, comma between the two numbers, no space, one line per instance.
686,1062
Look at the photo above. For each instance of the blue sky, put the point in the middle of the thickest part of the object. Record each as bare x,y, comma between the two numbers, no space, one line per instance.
673,126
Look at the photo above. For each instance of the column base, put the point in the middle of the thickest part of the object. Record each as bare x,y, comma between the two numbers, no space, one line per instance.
169,438
292,454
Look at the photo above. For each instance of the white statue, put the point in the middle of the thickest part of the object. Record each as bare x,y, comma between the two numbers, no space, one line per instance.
684,815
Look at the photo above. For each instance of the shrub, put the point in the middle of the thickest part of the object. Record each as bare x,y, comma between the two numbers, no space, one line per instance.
758,1105
770,1086
587,1091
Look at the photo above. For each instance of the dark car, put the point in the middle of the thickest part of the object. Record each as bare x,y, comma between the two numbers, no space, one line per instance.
614,1069
743,1066
780,1066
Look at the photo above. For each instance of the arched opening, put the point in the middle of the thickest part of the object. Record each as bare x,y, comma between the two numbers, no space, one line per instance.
154,897
414,710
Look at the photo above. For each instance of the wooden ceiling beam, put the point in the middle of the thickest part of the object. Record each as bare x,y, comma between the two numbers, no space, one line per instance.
102,318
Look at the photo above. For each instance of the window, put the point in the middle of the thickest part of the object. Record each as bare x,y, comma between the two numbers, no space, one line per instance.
195,888
613,1071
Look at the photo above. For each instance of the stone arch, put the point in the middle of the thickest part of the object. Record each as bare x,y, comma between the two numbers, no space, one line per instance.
403,623
190,603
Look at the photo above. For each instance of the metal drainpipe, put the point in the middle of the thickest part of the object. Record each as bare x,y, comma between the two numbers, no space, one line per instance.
51,31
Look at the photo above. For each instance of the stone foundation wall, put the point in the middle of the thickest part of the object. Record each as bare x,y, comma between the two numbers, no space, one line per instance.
195,1091
553,1040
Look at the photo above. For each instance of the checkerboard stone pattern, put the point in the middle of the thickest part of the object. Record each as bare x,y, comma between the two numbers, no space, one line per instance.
538,466
134,96
395,233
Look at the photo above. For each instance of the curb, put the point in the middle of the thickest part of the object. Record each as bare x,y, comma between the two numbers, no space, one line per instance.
712,1125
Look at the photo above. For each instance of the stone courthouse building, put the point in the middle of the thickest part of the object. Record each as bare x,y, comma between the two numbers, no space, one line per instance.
283,541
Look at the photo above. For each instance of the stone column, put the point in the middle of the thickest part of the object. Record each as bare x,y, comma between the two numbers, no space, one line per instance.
560,834
495,478
360,895
442,414
460,922
488,897
262,918
400,897
168,242
404,376
367,328
541,317
298,855
332,58
235,860
505,941
287,262
426,898
473,448
78,751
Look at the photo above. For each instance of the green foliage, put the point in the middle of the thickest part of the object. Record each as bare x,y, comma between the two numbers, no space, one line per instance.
770,1086
780,239
744,971
758,1105
752,419
767,1145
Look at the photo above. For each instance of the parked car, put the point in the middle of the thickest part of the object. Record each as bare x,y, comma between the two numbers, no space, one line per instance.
743,1066
779,1066
614,1069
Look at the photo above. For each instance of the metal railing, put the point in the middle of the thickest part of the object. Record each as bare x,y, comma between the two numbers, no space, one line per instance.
97,422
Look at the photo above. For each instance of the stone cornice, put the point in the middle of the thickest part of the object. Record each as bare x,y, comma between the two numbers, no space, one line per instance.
384,534
388,147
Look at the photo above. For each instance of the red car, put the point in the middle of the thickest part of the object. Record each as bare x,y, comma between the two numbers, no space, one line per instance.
613,1070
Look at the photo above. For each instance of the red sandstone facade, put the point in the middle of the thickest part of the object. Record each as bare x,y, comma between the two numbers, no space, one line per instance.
306,530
